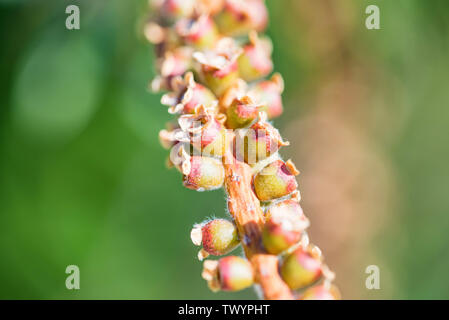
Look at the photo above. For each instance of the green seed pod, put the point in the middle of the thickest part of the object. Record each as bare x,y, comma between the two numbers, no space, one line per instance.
200,33
269,94
241,113
322,292
203,173
204,131
218,237
218,68
275,180
213,139
218,80
301,268
284,226
259,142
187,95
241,16
230,273
255,61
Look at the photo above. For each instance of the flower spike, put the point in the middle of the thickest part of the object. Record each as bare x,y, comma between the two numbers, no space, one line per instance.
212,60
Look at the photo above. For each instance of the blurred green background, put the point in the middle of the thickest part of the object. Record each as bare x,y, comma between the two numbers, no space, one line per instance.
82,175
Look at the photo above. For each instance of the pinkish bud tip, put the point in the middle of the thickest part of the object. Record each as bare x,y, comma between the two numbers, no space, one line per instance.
205,174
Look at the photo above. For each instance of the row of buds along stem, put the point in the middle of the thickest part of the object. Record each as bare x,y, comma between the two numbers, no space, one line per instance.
213,60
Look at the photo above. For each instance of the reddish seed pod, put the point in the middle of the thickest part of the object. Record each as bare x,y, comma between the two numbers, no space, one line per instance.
269,94
200,96
284,226
241,113
176,62
241,16
211,7
275,180
212,138
218,237
287,207
255,61
220,79
203,173
301,268
204,131
200,32
230,273
173,64
187,95
259,142
322,292
218,68
175,9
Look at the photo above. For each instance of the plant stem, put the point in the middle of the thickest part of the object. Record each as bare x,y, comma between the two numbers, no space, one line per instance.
245,208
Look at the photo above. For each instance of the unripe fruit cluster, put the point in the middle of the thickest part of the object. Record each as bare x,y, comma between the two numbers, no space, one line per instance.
218,89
